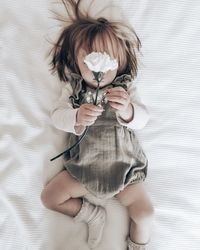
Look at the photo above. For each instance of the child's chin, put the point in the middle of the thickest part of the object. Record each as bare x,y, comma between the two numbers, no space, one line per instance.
94,84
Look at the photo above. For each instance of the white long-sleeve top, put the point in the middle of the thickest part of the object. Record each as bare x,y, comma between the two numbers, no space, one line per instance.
63,115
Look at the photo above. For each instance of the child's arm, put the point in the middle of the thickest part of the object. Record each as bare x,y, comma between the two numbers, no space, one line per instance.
63,115
140,113
135,116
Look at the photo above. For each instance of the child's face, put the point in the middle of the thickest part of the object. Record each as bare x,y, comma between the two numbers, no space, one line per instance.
88,75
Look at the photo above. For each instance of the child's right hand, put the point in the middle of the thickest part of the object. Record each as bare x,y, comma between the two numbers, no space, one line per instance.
87,114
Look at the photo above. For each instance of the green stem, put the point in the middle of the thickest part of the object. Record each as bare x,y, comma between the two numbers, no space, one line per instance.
98,76
97,92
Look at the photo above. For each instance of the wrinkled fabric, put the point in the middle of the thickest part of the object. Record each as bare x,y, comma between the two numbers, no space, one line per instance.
109,157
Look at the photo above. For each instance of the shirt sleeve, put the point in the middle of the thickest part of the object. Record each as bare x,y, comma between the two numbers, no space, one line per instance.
141,115
63,115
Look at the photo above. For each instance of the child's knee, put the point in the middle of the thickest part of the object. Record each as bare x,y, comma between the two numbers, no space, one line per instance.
46,199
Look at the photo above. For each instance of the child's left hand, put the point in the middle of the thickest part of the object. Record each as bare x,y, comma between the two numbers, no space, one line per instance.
119,99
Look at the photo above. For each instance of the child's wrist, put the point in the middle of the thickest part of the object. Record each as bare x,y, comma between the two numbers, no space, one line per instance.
77,123
128,114
78,127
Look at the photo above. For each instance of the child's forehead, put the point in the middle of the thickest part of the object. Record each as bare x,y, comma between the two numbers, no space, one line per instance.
99,45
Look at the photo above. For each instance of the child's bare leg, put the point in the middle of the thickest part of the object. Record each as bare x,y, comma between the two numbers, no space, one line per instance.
140,210
62,192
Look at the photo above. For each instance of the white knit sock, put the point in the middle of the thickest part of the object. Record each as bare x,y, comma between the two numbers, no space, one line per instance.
134,246
95,217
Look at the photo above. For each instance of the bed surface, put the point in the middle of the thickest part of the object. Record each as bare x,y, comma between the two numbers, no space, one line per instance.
168,83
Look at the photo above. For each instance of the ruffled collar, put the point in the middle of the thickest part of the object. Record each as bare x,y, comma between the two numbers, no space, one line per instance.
79,86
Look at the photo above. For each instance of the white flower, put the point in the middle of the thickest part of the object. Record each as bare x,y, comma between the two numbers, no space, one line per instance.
100,62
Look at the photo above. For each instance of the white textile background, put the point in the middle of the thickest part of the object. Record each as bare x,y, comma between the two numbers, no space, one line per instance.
168,83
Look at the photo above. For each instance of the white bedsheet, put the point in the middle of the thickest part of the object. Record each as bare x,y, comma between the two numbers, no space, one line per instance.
168,83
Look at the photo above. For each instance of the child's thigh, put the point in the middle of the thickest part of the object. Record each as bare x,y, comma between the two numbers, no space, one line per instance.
132,193
65,186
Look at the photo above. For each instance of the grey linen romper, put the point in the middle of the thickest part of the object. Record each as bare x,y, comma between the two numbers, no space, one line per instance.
109,157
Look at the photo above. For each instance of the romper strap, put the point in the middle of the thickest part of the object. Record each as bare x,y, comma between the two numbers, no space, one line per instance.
78,87
121,81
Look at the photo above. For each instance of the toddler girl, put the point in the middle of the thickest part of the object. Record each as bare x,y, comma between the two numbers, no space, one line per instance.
108,161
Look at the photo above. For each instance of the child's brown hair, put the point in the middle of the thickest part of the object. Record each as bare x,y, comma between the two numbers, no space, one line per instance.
117,39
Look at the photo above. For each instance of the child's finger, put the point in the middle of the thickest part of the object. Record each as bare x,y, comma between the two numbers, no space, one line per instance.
92,112
116,106
89,118
93,107
118,93
120,100
116,89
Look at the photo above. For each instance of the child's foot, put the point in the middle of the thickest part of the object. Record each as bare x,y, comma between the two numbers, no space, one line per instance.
95,217
96,226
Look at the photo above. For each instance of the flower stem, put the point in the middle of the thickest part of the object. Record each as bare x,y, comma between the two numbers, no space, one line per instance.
97,92
98,77
73,146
